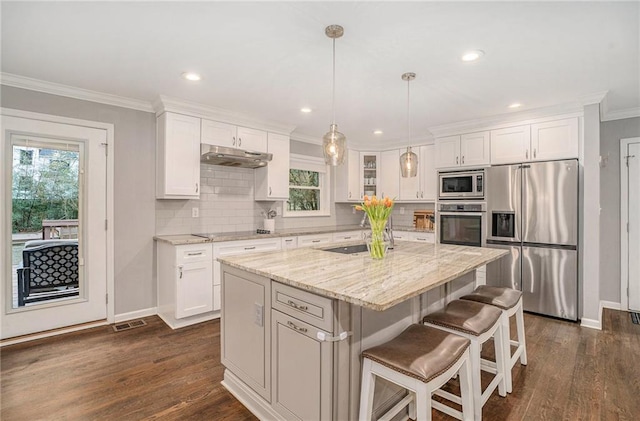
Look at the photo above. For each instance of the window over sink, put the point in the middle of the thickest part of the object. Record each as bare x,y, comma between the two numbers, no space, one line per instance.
308,187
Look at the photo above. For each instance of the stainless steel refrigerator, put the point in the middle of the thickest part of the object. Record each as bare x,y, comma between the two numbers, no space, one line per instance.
532,211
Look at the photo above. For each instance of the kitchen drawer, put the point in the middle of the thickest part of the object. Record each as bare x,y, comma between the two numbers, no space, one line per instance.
423,237
313,240
402,235
193,253
246,246
289,242
347,236
303,305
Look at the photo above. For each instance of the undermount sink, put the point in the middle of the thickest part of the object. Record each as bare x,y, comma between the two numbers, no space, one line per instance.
357,248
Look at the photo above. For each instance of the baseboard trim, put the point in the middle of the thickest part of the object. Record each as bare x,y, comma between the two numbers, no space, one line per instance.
123,317
50,333
611,304
249,398
591,323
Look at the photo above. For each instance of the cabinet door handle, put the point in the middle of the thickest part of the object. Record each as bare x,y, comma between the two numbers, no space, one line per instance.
269,191
457,160
297,306
239,141
234,141
195,254
250,248
298,328
417,194
534,152
463,159
421,195
180,271
349,195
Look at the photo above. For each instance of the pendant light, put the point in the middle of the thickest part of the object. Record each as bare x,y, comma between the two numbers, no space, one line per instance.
333,142
408,160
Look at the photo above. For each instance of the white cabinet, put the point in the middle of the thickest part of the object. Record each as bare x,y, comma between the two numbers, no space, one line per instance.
369,164
231,136
558,139
555,140
389,174
177,156
185,288
510,145
347,236
232,248
314,239
421,188
347,178
272,181
467,150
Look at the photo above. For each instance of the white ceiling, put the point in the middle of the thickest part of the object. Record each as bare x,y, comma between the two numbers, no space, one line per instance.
269,59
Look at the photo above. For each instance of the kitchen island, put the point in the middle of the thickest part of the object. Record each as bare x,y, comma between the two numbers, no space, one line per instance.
295,322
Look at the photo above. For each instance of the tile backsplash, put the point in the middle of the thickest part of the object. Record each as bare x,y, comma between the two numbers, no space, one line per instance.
226,205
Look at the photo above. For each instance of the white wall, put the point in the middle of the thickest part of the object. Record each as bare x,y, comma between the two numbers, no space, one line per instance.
134,186
610,134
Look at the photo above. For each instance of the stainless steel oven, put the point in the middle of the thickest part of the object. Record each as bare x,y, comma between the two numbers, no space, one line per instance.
462,223
467,184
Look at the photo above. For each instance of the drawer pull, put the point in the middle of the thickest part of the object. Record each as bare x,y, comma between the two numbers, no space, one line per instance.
289,240
315,241
250,248
195,254
421,239
347,238
297,306
298,328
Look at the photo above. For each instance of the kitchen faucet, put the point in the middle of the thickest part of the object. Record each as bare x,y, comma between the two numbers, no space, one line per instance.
364,221
389,230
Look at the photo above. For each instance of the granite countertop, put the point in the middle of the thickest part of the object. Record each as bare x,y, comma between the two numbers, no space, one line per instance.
407,271
252,235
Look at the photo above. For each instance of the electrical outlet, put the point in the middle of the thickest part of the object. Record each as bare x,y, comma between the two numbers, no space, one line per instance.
258,310
401,211
278,211
195,212
353,210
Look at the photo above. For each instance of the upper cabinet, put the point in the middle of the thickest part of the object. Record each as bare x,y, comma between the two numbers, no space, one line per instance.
389,174
347,178
223,134
177,156
421,188
467,150
369,174
550,140
272,181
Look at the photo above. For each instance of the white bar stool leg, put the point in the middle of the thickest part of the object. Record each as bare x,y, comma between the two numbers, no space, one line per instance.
466,389
366,392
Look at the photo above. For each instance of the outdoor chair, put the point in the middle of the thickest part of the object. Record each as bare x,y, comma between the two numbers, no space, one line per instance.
49,270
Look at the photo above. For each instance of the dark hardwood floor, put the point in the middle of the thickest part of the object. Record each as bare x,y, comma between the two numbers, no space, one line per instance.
153,372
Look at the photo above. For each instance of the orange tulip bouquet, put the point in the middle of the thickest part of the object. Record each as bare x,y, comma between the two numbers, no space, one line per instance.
378,211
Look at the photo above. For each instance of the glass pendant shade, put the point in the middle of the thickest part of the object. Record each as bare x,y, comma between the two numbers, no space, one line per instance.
333,146
409,164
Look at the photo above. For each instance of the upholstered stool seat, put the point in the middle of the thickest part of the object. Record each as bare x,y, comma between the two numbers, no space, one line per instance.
510,302
478,323
421,359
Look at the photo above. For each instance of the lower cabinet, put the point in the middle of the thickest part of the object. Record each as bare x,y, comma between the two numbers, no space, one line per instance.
302,369
185,288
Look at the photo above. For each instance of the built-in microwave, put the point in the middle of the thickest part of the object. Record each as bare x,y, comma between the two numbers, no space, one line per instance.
467,184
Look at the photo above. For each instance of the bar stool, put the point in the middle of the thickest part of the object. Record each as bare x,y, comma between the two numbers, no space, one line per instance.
478,323
510,302
421,359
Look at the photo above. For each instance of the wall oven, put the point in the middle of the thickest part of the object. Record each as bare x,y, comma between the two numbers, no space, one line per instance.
462,223
461,184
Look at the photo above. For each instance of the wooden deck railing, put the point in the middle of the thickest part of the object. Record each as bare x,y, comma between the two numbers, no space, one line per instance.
59,228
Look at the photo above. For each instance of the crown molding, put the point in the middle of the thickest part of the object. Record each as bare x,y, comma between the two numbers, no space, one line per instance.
300,137
37,85
168,104
502,120
594,98
621,114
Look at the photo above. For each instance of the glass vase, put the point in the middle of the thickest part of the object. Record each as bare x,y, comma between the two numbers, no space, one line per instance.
376,241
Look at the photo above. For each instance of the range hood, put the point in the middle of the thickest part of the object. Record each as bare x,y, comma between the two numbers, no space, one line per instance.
230,157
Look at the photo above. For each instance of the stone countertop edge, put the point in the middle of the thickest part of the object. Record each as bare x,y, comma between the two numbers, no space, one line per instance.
180,239
458,270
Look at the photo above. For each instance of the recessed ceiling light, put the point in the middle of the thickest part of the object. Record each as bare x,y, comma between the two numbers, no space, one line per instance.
305,109
472,55
515,105
194,77
377,132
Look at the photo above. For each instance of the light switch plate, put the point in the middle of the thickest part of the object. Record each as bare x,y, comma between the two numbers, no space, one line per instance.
195,212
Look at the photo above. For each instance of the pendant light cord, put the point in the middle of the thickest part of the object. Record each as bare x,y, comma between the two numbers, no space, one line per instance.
333,98
408,115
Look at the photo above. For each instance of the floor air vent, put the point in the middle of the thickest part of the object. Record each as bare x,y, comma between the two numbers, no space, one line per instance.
129,325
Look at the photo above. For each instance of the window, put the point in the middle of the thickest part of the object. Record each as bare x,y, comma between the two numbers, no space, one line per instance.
308,187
